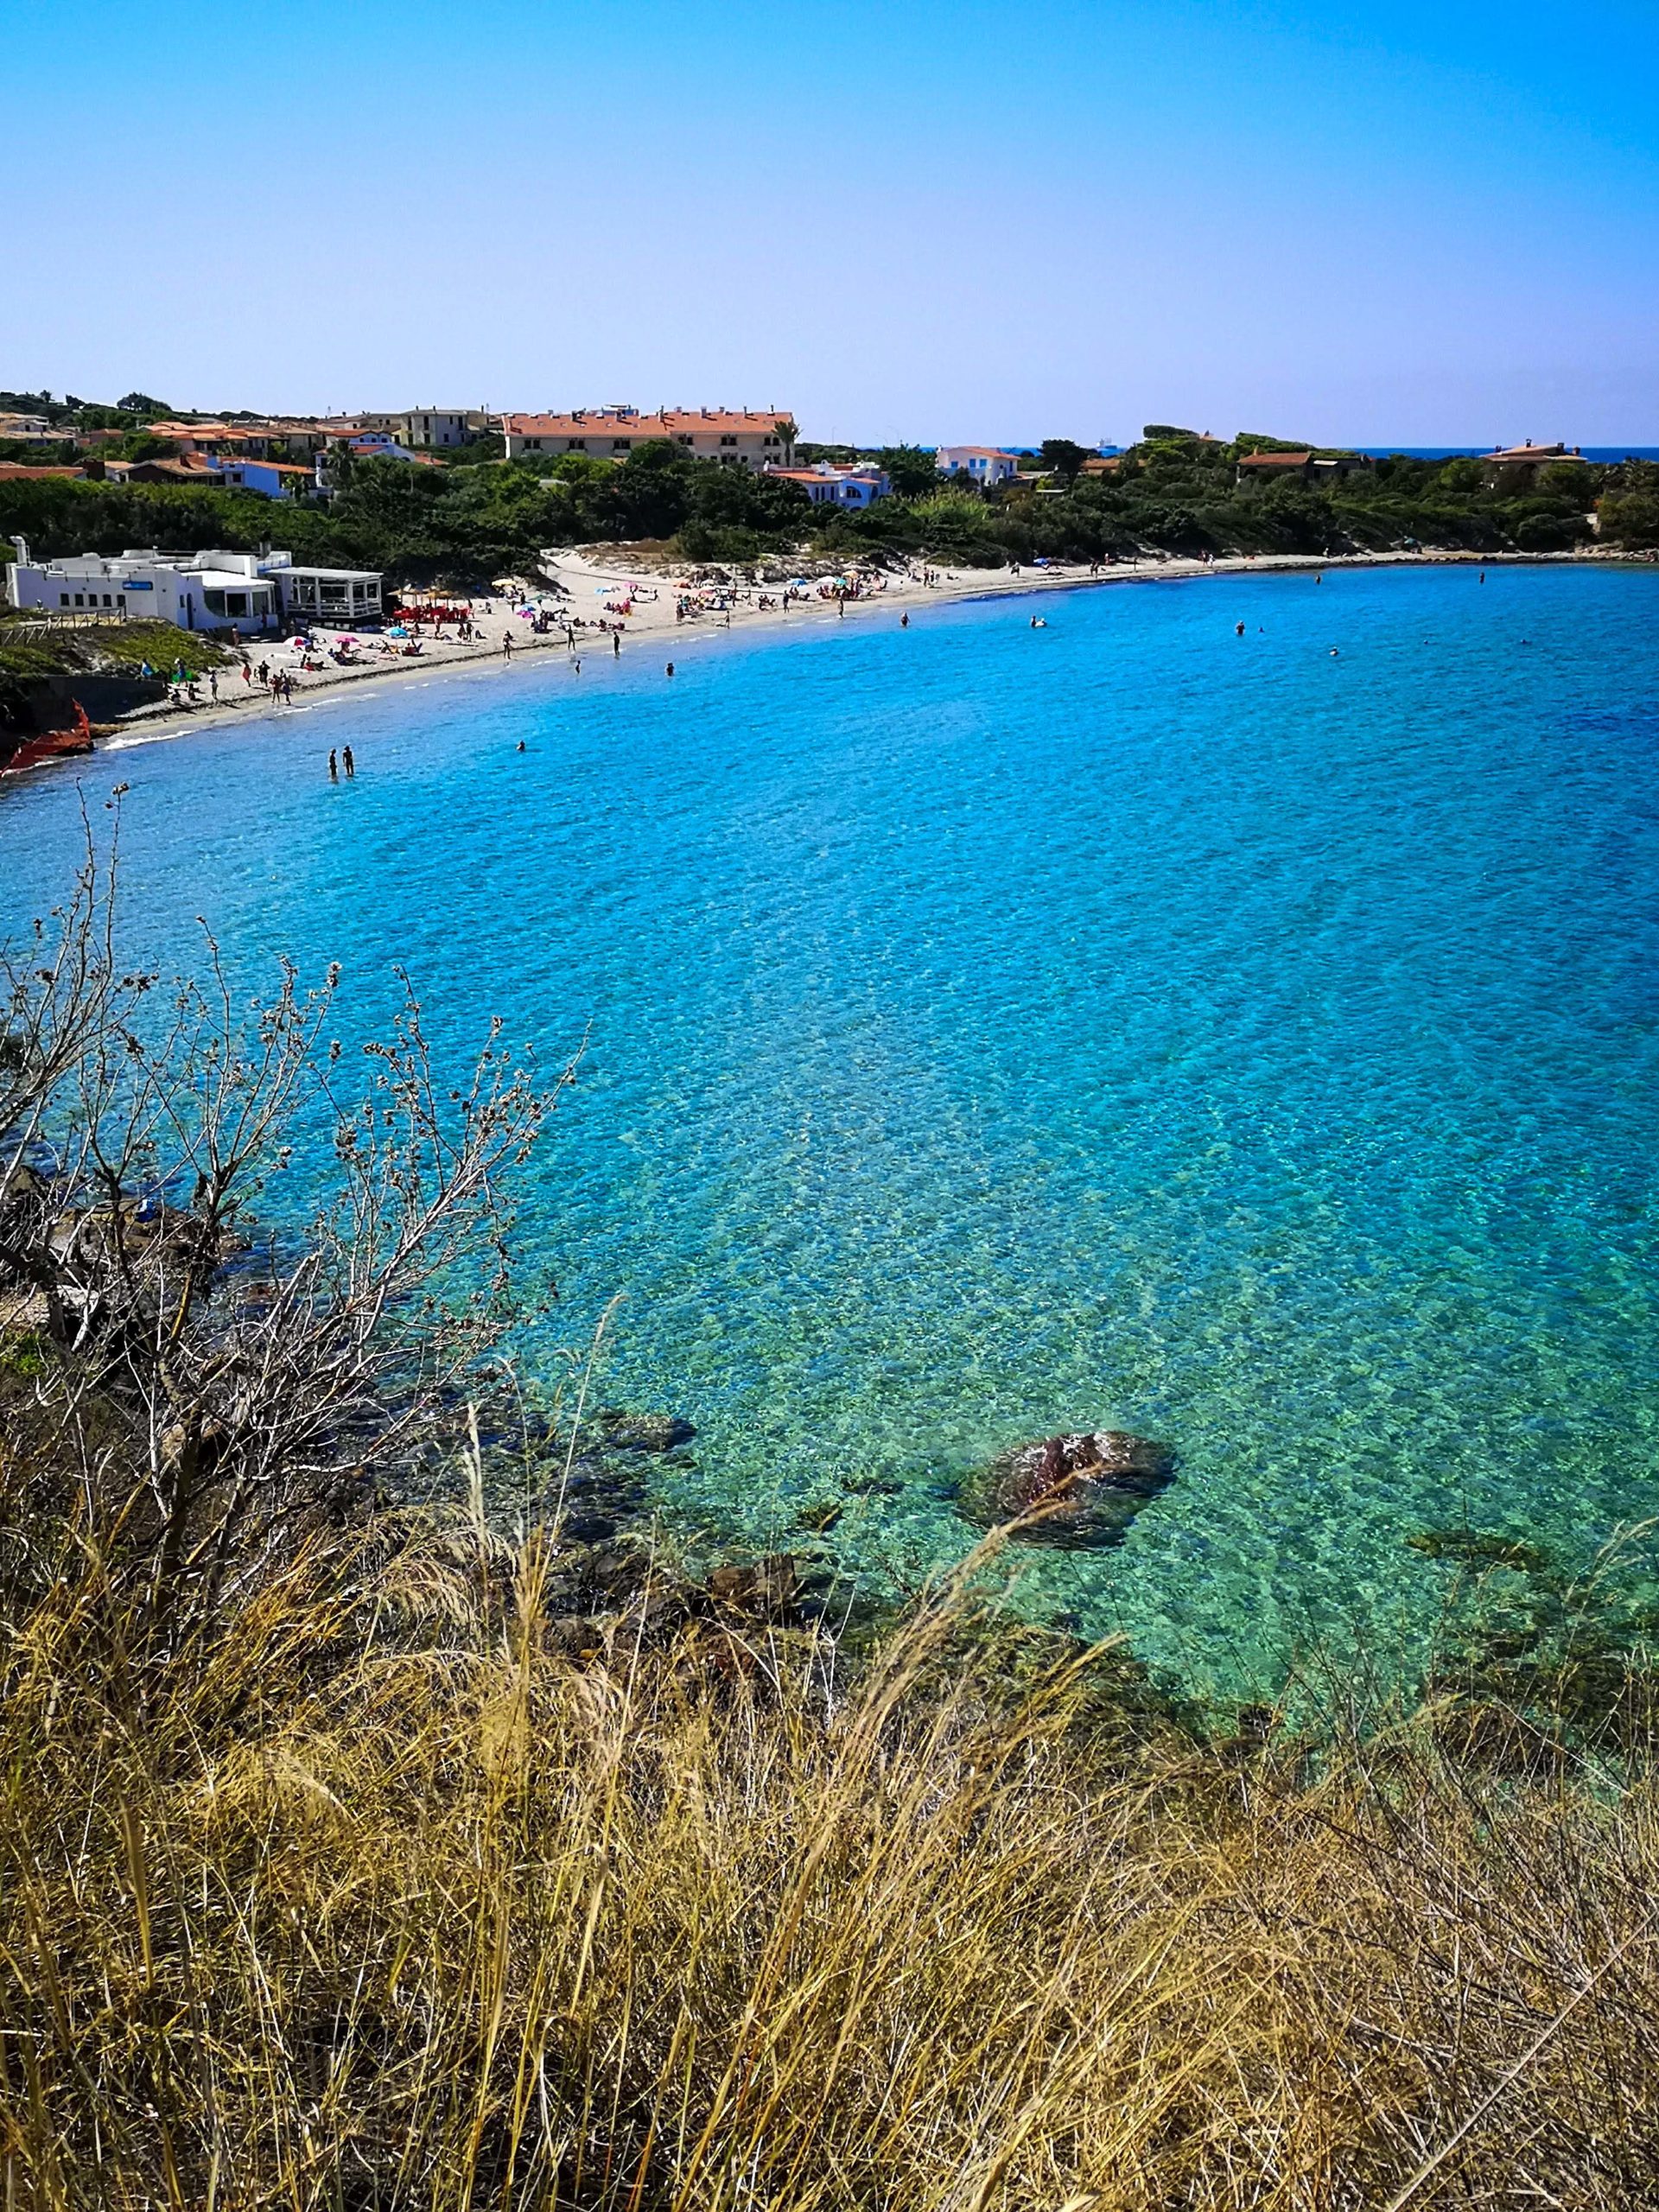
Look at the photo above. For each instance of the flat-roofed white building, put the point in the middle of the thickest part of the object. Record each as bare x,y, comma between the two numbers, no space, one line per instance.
744,438
248,593
979,464
838,484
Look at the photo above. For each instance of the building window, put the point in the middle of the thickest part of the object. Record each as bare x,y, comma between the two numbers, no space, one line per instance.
729,441
575,445
63,598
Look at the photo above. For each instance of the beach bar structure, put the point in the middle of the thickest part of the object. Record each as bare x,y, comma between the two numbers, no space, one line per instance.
247,592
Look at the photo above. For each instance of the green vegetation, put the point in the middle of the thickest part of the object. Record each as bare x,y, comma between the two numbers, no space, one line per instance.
106,649
363,1858
477,516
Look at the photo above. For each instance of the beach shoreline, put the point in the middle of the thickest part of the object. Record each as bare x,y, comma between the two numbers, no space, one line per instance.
584,574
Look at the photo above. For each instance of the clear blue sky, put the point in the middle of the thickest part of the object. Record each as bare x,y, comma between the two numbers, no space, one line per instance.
973,219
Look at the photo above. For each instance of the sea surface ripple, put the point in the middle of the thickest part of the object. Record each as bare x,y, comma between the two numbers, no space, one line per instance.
1247,1040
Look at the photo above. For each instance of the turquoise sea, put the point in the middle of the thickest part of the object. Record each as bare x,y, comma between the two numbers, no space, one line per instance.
1251,1041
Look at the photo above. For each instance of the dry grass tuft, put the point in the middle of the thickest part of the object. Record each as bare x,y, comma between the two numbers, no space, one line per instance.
381,1901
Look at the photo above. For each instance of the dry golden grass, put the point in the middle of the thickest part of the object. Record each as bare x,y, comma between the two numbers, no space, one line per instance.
379,1900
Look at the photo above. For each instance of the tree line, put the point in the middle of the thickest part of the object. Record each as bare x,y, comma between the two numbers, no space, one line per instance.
473,520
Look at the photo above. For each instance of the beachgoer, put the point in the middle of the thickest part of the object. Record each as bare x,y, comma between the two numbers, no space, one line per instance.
333,766
521,745
348,764
1238,629
506,648
616,646
904,621
213,681
670,668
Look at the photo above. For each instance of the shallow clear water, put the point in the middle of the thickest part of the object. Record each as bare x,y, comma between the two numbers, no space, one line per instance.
995,1030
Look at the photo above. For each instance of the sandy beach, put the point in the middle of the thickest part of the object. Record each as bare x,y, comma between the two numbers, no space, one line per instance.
605,608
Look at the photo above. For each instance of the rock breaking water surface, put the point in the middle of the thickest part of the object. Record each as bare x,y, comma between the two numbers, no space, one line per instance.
1122,1025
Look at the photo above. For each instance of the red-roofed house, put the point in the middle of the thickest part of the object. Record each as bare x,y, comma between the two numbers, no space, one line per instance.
749,438
273,480
1516,467
1306,466
197,468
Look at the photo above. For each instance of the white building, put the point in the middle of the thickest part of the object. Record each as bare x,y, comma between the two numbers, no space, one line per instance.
831,483
438,426
247,592
983,465
429,426
749,439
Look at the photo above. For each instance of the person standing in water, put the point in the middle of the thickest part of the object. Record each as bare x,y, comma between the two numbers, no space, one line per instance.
333,766
616,646
348,764
670,668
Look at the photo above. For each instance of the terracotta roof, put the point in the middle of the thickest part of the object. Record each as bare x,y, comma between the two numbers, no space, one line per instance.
222,433
188,464
1276,459
282,467
1533,453
13,469
676,423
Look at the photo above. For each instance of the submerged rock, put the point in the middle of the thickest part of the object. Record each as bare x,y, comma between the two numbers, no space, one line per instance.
626,1432
1079,1489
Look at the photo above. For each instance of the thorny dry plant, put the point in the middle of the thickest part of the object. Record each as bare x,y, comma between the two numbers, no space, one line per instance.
218,1383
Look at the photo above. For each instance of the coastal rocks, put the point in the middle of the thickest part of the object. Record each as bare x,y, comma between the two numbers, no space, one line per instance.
1071,1491
764,1591
605,1605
